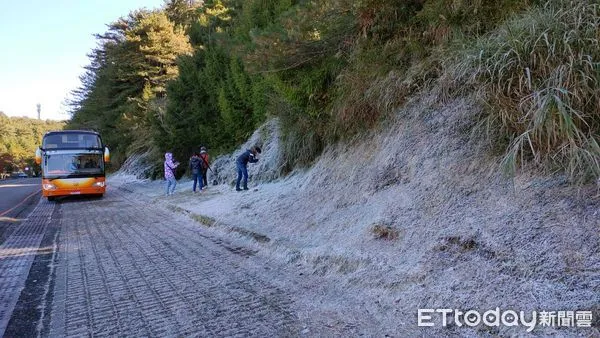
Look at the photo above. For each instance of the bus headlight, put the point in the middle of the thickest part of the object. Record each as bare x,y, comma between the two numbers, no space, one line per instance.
99,184
48,186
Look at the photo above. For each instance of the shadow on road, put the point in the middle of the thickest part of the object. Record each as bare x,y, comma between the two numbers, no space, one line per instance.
76,199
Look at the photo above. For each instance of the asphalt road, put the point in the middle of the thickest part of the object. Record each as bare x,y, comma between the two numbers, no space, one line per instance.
121,267
128,265
18,197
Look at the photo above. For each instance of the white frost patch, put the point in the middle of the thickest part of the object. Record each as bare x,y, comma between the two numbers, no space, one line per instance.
269,164
466,237
138,165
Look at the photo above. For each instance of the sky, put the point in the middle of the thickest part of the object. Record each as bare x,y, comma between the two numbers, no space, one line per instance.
44,46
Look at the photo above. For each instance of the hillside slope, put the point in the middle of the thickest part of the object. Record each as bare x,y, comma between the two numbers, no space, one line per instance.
415,216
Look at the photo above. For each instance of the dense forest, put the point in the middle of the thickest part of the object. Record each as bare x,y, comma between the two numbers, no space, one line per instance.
209,72
19,138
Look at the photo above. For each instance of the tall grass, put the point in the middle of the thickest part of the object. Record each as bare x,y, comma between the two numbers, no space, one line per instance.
398,53
539,75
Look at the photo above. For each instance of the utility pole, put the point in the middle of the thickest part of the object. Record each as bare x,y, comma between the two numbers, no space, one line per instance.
39,110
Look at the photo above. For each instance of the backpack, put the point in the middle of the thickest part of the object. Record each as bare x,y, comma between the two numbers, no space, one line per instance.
195,164
204,160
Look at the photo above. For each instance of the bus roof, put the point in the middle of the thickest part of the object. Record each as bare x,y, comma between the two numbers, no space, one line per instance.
72,132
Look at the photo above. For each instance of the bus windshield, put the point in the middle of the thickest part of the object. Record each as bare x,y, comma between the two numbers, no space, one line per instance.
80,164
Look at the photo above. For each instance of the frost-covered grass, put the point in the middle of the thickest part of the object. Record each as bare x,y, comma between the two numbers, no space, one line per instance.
269,166
539,75
464,236
414,214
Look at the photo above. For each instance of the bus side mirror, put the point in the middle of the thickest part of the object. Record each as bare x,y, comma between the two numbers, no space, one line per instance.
38,156
106,154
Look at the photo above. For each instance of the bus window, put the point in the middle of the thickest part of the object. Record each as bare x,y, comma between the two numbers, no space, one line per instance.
78,164
51,142
91,163
91,141
71,141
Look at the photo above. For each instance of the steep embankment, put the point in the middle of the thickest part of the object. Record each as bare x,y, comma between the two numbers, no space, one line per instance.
416,216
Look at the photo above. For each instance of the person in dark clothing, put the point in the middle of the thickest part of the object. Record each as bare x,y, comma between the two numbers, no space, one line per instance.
204,165
196,168
249,155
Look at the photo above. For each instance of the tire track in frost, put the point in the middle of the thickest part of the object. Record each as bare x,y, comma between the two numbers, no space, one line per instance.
242,278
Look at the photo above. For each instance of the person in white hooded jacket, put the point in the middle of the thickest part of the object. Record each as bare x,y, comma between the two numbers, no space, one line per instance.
170,167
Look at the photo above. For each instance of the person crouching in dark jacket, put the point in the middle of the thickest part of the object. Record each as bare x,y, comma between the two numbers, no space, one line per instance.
196,167
249,155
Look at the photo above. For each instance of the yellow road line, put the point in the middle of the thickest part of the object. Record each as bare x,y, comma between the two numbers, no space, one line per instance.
23,201
18,185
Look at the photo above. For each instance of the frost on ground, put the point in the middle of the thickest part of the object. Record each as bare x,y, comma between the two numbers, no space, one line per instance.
414,216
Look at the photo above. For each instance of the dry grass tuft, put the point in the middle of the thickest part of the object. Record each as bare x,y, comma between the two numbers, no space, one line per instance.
463,245
539,76
205,220
382,231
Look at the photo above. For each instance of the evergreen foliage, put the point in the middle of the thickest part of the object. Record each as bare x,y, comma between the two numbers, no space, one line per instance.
127,76
209,72
19,138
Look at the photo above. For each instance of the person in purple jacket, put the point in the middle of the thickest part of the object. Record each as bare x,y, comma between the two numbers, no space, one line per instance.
249,155
170,166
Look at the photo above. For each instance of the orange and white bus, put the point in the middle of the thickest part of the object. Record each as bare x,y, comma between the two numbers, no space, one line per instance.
73,163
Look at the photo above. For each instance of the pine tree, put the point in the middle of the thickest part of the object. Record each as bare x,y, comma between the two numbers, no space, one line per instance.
135,59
